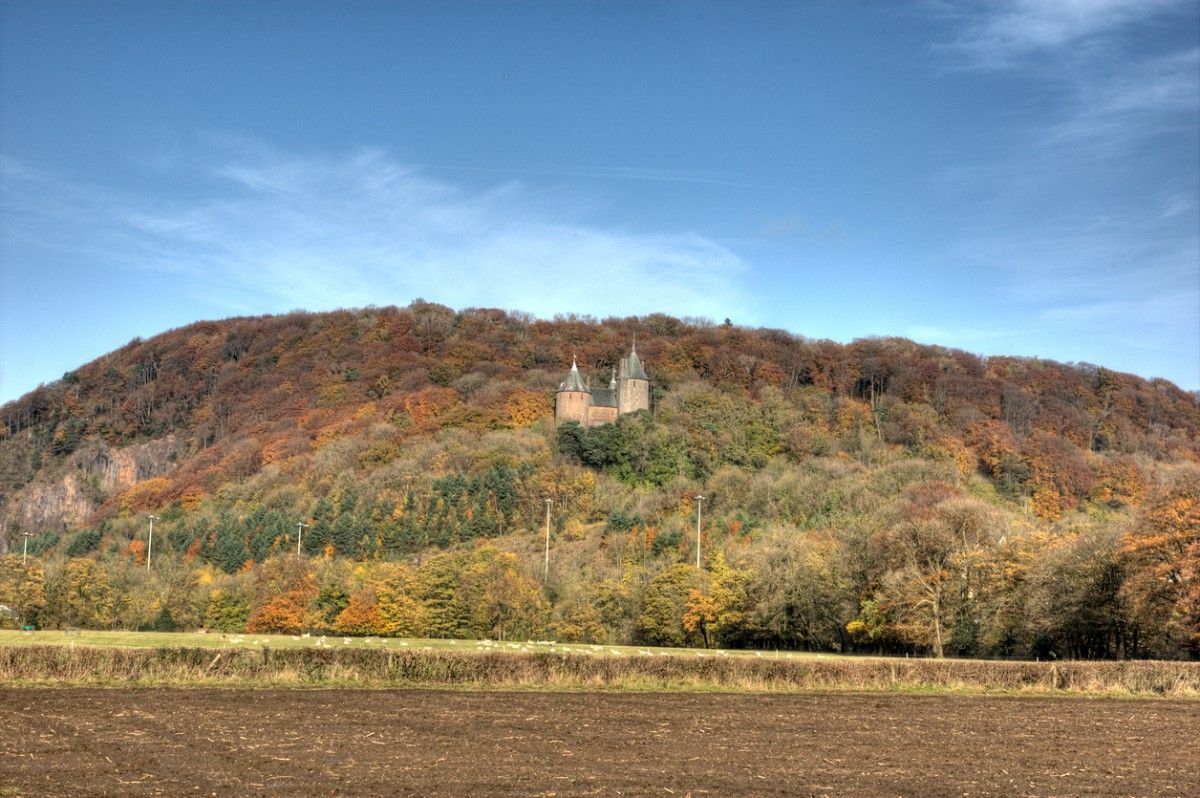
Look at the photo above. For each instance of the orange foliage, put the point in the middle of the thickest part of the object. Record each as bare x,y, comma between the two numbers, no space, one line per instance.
361,616
137,549
430,403
525,407
191,498
993,442
1048,503
283,614
1119,483
699,613
146,495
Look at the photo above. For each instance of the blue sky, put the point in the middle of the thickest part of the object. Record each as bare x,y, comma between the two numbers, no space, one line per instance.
1007,178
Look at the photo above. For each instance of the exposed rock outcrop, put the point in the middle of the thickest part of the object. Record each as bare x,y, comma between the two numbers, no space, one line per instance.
92,474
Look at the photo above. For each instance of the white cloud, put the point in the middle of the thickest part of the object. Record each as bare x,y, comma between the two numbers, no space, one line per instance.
999,35
1112,113
280,231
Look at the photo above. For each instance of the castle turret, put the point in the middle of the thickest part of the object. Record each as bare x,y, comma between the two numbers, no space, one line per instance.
633,386
573,399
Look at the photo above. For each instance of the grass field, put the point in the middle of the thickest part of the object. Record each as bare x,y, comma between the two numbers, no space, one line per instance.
233,641
9,637
118,659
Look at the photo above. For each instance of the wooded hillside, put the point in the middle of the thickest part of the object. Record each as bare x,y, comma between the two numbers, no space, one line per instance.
880,495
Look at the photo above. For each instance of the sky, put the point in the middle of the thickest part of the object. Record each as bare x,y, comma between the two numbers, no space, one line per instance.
1014,177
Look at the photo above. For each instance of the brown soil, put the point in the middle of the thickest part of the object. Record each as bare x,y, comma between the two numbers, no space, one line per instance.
92,742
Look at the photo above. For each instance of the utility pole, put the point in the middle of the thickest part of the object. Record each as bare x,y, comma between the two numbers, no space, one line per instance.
300,527
25,548
150,545
699,503
546,572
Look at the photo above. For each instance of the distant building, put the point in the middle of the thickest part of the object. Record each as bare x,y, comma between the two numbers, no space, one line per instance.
627,391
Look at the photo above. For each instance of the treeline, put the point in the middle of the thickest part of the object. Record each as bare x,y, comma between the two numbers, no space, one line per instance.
878,496
838,556
244,393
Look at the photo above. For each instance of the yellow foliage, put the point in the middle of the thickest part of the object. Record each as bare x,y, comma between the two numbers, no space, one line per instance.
525,407
429,403
851,416
331,393
144,495
1048,503
191,498
326,435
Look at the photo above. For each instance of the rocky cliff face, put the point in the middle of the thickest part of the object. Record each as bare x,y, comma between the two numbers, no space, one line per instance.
90,476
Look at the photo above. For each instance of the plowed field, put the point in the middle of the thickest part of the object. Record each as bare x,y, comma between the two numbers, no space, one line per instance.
149,742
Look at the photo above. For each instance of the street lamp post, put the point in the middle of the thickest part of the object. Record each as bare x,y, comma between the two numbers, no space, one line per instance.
546,571
699,503
150,545
25,548
300,527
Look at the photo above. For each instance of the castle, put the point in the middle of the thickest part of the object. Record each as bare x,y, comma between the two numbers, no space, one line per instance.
627,391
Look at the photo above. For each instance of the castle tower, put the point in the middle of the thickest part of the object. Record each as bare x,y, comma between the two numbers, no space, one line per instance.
573,400
633,386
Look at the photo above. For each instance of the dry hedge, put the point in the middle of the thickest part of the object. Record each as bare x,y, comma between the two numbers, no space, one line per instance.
378,668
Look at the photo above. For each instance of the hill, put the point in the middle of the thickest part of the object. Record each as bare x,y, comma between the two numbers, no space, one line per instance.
880,494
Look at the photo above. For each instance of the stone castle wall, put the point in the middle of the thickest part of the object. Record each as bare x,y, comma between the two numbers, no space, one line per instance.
572,406
599,414
633,395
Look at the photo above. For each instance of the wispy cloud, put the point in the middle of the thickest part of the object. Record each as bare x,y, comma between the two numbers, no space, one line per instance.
1001,35
282,231
610,173
1102,89
1111,113
1083,229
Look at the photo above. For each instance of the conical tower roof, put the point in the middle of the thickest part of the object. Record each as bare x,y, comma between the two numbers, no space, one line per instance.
573,382
635,370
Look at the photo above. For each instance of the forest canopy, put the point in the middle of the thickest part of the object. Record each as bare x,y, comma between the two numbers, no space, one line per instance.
876,496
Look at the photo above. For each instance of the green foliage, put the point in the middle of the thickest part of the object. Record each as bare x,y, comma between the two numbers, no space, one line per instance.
879,495
661,621
83,542
634,449
227,612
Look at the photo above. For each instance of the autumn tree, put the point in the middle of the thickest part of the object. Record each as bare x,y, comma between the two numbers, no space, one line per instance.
665,604
504,602
929,550
398,608
1159,553
801,592
81,595
22,588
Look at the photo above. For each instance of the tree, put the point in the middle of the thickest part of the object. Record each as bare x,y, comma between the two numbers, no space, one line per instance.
801,594
284,614
82,595
361,615
1075,606
699,614
438,584
22,588
504,603
666,603
929,551
1159,554
401,613
227,612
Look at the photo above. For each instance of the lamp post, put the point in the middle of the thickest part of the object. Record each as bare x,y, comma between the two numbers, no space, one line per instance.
300,527
25,548
699,503
546,571
150,545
